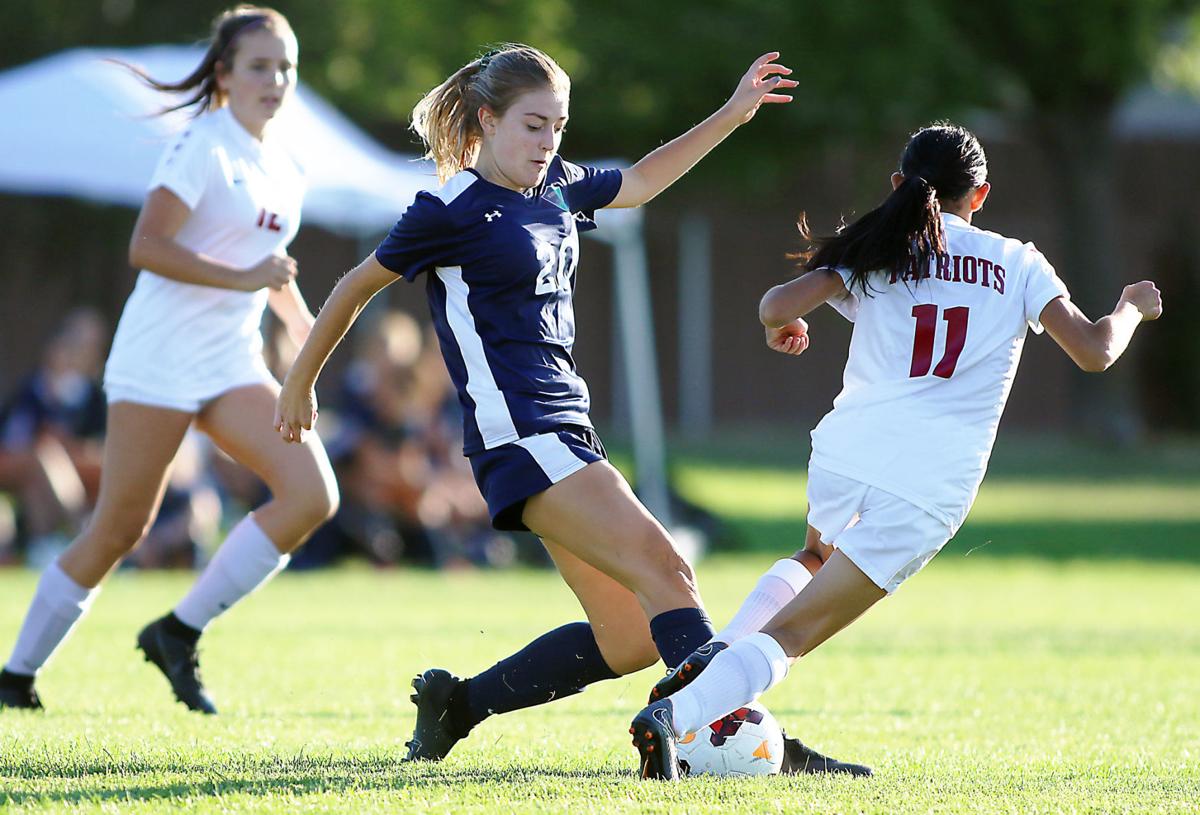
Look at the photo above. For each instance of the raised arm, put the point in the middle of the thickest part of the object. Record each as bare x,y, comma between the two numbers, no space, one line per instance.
782,307
153,246
1096,346
296,408
661,168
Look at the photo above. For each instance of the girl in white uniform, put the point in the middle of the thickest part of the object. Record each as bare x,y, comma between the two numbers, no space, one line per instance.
940,311
211,241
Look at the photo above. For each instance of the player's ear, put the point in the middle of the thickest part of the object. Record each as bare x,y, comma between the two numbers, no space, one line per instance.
979,195
897,180
487,120
221,73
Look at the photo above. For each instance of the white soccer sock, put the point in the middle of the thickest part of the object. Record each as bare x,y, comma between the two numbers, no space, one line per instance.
57,605
737,676
246,560
778,586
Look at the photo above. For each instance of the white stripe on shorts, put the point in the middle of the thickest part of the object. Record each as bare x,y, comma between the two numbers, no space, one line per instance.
552,455
491,411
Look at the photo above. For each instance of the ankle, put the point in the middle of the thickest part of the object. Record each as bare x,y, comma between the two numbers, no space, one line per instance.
178,628
9,679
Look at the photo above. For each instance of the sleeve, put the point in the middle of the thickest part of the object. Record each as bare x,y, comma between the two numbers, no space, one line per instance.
845,304
420,241
588,189
185,167
1042,285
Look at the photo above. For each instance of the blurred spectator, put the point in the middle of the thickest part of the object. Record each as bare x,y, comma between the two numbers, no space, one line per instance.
51,432
407,492
51,450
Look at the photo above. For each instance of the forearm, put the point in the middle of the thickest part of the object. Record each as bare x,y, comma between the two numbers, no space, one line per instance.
795,299
1112,334
165,257
289,306
347,300
664,166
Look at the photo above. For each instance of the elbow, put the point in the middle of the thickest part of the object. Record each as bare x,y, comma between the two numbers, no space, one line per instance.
1096,361
771,311
139,254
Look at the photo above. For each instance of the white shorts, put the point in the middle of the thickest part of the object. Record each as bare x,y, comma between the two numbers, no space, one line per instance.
163,398
886,537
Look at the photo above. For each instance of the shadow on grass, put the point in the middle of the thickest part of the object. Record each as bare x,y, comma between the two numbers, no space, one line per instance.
268,776
1177,541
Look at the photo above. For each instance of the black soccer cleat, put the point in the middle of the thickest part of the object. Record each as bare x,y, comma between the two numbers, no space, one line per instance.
17,692
683,673
654,738
180,663
433,735
799,759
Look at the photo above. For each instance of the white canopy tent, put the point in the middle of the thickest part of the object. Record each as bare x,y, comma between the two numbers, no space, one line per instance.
80,126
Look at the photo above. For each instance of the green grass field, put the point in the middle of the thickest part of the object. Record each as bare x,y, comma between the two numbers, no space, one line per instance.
1030,675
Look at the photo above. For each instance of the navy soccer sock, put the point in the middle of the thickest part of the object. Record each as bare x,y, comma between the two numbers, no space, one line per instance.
680,631
559,663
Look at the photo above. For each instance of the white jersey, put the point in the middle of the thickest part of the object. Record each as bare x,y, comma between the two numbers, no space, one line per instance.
930,366
191,341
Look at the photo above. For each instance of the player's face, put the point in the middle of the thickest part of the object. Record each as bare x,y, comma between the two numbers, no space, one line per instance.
521,143
262,77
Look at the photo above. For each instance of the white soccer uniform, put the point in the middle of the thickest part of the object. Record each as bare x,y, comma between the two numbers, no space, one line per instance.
180,345
930,367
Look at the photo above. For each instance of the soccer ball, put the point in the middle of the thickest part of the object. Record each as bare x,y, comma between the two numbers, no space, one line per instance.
746,742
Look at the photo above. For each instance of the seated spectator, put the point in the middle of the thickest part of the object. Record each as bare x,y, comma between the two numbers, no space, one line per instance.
51,451
51,432
406,491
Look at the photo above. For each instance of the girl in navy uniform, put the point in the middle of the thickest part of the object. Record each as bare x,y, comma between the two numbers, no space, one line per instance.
498,244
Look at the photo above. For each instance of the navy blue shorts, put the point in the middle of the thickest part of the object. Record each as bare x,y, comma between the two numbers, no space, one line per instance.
510,474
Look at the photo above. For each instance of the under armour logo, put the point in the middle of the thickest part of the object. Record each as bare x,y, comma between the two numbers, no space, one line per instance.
492,215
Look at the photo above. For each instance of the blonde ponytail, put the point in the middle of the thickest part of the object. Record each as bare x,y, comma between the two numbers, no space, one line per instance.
447,118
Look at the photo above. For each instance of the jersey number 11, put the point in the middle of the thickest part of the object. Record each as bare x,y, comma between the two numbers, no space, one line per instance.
956,337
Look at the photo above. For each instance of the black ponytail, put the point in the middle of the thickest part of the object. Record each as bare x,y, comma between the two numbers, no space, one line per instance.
942,162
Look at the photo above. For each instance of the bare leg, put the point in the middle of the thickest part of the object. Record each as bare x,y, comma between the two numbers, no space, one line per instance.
303,488
837,596
617,619
594,515
140,443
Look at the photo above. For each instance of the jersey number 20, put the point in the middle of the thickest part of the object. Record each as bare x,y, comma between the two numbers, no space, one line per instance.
556,270
956,337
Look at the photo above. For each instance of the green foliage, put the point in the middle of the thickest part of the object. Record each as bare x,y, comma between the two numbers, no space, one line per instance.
645,72
1066,54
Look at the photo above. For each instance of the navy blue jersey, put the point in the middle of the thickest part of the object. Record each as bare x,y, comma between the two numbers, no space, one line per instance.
501,272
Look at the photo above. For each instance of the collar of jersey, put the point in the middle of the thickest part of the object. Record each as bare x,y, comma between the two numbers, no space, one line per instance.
238,133
957,220
526,196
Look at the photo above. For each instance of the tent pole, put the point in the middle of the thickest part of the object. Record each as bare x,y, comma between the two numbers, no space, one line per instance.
635,326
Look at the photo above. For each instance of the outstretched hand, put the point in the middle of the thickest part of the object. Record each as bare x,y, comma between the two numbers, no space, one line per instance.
759,86
791,338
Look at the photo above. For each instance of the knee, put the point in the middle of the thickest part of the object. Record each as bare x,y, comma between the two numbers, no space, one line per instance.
314,503
661,564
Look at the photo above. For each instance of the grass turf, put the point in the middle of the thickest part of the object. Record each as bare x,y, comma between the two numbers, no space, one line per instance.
1016,674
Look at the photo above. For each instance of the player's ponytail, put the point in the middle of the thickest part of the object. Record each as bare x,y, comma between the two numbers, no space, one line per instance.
941,162
447,118
201,83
